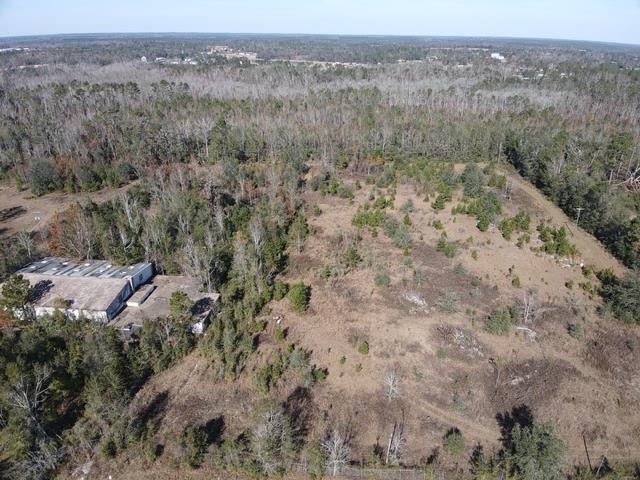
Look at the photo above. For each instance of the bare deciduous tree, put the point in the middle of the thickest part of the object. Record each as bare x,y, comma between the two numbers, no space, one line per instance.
153,238
396,449
41,461
218,216
131,211
529,307
28,393
272,440
257,233
126,240
269,425
336,452
25,241
392,385
76,233
198,260
203,126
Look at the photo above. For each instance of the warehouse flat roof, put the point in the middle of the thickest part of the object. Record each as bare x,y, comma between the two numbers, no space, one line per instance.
60,267
91,293
157,305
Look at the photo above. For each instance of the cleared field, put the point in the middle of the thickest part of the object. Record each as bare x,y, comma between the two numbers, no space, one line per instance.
20,211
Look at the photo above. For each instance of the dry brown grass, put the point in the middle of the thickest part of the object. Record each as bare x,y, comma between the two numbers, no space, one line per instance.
33,214
408,337
453,373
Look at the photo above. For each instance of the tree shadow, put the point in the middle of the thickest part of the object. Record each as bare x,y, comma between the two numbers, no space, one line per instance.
149,418
201,306
299,408
434,457
11,212
214,429
507,421
604,467
378,451
477,453
452,431
158,450
40,289
480,461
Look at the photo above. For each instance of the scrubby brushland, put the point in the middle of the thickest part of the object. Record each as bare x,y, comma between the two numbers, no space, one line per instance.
394,290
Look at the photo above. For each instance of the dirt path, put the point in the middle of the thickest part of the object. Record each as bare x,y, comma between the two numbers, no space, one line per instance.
472,428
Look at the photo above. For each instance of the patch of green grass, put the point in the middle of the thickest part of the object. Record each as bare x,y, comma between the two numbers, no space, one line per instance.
448,302
417,374
352,257
576,330
280,290
325,272
459,404
454,443
382,279
448,248
397,232
459,269
407,207
280,334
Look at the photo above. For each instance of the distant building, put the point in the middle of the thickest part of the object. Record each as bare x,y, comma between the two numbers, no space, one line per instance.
143,59
497,56
94,289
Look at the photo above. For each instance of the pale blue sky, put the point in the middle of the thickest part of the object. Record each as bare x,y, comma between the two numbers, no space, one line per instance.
604,20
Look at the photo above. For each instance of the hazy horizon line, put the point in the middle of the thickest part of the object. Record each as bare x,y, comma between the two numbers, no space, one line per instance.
300,34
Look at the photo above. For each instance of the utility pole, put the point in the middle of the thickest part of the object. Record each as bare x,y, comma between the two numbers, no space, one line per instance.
579,209
584,439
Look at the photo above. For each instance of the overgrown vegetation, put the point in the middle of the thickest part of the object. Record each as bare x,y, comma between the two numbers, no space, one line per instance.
556,241
300,294
485,208
76,379
520,223
448,248
622,295
500,322
217,161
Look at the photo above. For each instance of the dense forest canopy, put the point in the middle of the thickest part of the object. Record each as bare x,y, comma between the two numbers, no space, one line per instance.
565,117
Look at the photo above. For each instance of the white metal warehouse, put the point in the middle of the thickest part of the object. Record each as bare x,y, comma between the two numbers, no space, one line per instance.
94,289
